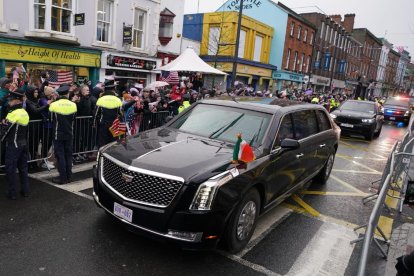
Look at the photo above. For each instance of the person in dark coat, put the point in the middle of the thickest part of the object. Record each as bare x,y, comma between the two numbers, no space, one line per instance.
34,110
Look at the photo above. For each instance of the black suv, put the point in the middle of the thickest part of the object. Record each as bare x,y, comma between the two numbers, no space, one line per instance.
178,182
359,117
397,109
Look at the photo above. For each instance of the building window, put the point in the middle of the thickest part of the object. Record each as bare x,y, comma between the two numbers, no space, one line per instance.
166,26
295,60
61,15
242,43
301,62
104,18
287,59
39,14
299,31
305,35
138,31
214,40
334,39
308,64
311,39
292,28
331,37
322,27
258,48
318,55
327,33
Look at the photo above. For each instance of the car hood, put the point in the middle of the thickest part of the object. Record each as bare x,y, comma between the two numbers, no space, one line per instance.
175,153
354,114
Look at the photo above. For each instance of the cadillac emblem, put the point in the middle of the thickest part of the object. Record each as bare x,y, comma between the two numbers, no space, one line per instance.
127,178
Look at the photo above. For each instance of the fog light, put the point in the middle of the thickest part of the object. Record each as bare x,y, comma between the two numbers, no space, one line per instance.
187,236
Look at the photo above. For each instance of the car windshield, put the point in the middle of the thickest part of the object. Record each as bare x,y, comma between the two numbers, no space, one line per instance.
224,123
365,107
397,102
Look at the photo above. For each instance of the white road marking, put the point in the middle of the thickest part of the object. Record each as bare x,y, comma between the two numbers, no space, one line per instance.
328,253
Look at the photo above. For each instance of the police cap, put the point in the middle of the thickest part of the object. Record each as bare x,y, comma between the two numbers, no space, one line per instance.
63,89
18,94
109,85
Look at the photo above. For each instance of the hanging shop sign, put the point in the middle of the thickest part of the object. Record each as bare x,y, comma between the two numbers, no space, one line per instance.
317,64
127,62
127,35
342,66
327,61
48,55
79,19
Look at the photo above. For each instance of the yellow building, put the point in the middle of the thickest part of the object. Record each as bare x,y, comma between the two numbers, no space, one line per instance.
217,47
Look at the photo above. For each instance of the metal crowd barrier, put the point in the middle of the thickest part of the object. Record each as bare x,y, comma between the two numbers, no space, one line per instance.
393,178
84,138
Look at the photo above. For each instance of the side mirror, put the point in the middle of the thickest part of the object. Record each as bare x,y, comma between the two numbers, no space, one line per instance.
168,118
288,143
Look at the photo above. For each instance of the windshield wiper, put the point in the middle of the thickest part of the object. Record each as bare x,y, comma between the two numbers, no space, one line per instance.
257,133
224,128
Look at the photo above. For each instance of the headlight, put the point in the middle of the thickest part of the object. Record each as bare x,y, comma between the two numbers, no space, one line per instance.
207,191
407,113
370,121
333,116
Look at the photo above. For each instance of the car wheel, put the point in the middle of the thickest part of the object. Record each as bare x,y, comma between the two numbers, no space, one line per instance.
379,132
323,176
243,222
370,135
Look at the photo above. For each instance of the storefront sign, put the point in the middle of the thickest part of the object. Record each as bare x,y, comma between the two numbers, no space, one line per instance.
319,80
338,83
134,63
127,35
280,75
243,69
48,55
247,4
79,19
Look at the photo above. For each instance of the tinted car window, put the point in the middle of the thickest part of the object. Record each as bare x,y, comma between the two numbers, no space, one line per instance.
224,123
285,130
323,121
305,124
365,107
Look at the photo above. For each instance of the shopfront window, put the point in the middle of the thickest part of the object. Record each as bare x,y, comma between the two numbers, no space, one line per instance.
104,18
138,40
61,15
15,70
39,14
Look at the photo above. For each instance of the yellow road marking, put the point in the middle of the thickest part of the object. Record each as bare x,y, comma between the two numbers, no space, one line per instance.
361,157
306,206
361,148
390,201
385,224
343,183
332,193
353,171
357,163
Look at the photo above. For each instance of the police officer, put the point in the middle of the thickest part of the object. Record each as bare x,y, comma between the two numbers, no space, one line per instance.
108,108
185,104
63,114
15,135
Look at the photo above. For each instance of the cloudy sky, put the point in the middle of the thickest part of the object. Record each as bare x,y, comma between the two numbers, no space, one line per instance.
392,19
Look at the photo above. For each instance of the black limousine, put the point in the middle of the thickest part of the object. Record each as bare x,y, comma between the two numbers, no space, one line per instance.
178,182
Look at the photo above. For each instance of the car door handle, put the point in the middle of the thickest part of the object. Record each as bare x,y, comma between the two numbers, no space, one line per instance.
298,156
322,146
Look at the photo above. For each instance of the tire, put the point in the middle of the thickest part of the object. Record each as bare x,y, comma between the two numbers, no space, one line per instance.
323,176
379,132
243,222
370,136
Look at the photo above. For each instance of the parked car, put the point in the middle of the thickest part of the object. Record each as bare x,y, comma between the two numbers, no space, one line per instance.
397,109
179,183
359,117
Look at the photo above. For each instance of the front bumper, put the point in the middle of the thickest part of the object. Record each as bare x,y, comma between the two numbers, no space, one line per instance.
361,128
157,223
397,118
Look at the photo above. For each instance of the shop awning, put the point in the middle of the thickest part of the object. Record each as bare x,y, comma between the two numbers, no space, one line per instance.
189,61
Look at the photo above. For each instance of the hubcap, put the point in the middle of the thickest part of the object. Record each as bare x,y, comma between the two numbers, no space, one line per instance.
329,165
246,220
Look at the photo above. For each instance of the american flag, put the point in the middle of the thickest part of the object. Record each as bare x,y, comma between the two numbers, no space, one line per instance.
170,77
118,128
56,78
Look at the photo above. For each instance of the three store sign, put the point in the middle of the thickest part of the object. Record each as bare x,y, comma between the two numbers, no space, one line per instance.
126,62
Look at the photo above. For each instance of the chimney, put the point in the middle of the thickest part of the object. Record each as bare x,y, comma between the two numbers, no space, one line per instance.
348,22
337,18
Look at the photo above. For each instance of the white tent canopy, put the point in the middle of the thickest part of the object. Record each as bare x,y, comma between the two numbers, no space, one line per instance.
189,61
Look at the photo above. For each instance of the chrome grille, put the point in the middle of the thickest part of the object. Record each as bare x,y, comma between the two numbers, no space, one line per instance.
143,188
348,120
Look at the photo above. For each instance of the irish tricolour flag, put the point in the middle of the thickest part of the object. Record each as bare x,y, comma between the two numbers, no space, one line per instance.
242,151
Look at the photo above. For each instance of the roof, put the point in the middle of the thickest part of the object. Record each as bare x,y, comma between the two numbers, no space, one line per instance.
369,33
296,15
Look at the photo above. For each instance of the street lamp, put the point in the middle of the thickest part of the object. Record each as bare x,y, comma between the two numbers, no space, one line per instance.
236,50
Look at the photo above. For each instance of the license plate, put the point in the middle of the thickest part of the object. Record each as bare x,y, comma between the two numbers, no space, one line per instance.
392,118
123,212
347,125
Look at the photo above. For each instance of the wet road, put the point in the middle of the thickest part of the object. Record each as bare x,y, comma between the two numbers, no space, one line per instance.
60,231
